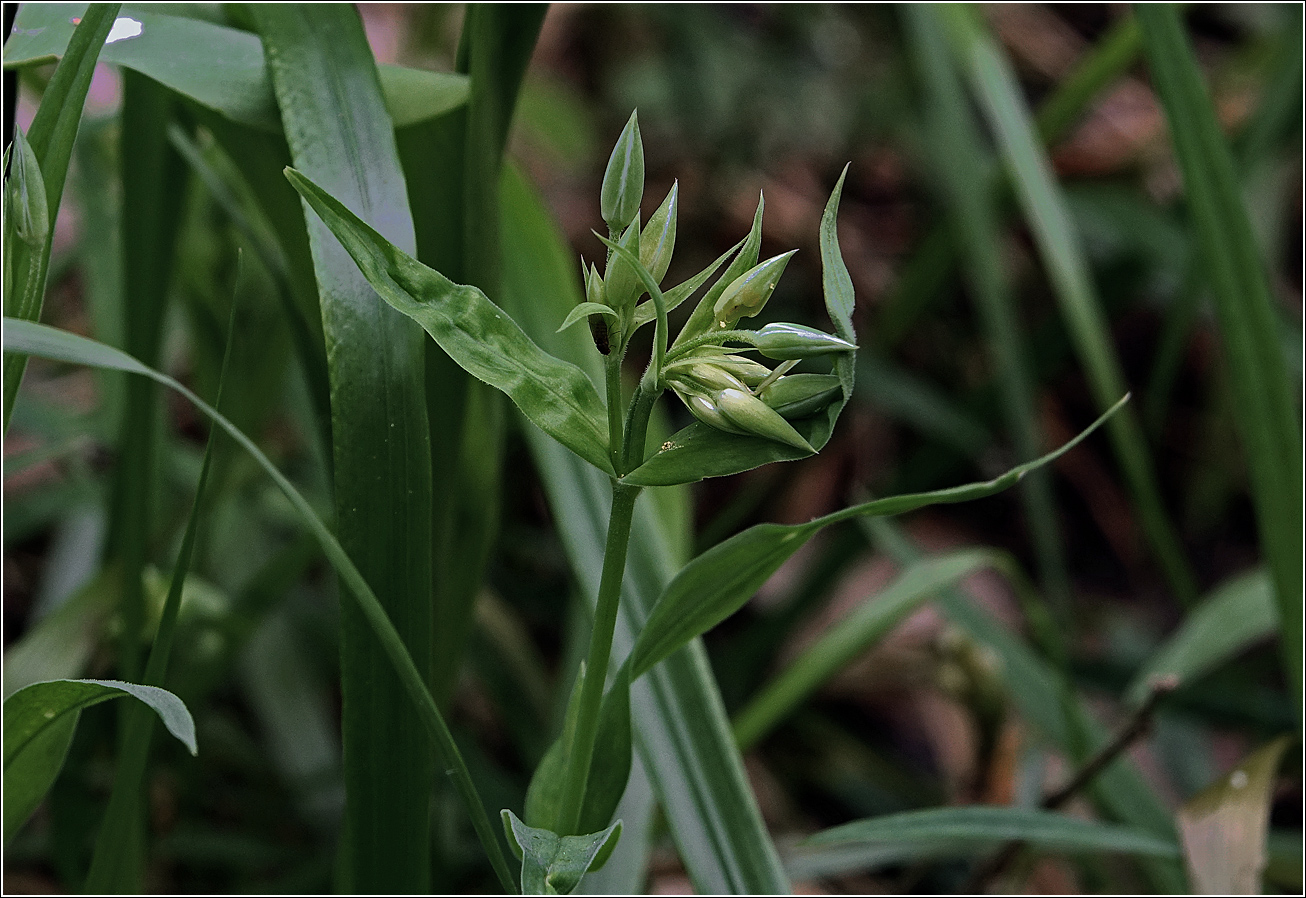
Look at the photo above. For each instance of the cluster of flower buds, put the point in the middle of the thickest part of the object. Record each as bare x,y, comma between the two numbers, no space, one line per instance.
718,385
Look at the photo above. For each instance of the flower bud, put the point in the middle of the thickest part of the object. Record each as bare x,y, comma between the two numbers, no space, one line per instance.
620,283
706,410
623,181
594,286
25,198
701,377
746,411
800,395
748,293
747,370
782,341
659,238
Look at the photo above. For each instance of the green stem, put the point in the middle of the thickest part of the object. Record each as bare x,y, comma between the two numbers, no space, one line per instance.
605,622
612,365
641,407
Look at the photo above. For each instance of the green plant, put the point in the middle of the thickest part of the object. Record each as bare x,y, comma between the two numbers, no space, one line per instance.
377,208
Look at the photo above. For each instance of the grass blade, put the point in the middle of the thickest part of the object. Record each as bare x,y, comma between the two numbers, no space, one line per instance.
1263,392
851,637
997,824
337,128
53,132
51,343
1237,614
974,215
994,83
681,729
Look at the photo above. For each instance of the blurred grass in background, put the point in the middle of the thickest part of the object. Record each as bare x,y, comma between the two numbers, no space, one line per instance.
945,255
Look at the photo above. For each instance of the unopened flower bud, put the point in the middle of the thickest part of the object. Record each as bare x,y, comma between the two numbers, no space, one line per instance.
24,199
705,409
658,239
746,411
783,341
623,181
800,395
748,293
620,283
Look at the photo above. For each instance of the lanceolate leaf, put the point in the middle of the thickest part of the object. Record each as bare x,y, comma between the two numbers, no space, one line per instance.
717,583
39,721
555,395
51,343
553,864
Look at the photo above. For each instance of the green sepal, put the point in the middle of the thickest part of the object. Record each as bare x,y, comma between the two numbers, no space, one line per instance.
658,239
748,293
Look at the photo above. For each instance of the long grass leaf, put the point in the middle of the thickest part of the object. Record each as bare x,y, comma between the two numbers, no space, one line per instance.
974,216
1265,413
1043,203
51,137
48,342
996,824
337,128
681,729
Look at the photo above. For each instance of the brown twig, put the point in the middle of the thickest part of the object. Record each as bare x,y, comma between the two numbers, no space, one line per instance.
1138,724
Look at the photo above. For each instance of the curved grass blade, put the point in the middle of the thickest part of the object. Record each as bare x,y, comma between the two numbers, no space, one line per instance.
51,138
851,637
680,725
994,825
717,583
112,864
1265,412
51,343
555,395
325,81
39,721
1236,615
1039,195
229,77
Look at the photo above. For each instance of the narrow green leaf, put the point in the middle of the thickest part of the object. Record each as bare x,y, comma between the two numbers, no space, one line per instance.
39,721
325,80
229,77
45,154
701,319
51,343
1042,200
851,637
553,864
1239,613
990,825
113,863
1264,408
646,312
555,395
59,645
1224,827
969,194
717,583
680,726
